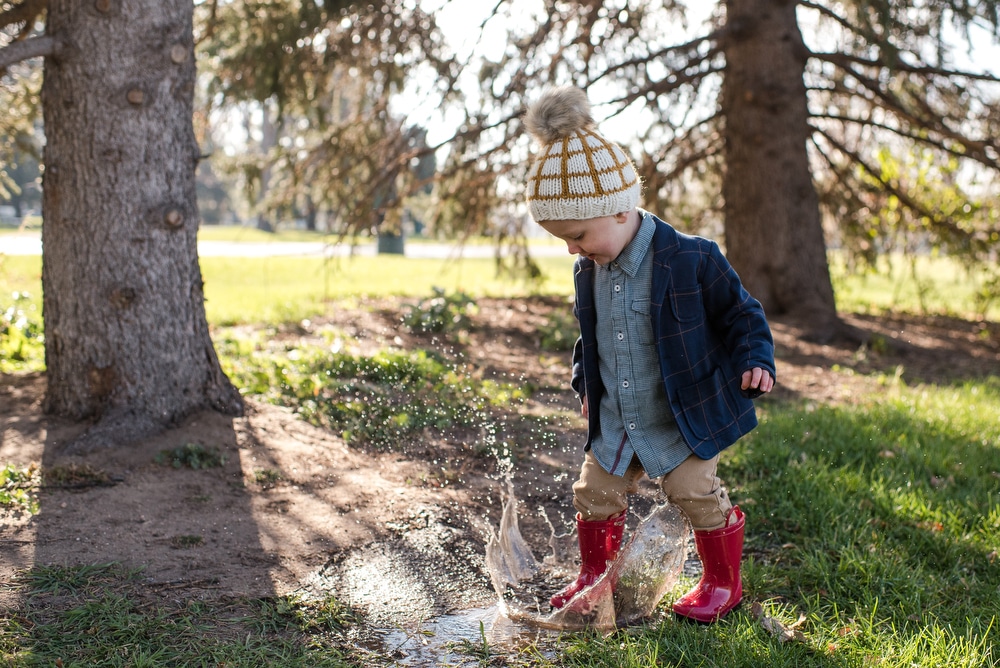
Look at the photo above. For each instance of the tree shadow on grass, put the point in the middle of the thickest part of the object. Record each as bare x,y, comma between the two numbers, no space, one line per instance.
920,349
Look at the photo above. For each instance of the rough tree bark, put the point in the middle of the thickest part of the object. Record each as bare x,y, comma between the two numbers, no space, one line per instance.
774,233
126,339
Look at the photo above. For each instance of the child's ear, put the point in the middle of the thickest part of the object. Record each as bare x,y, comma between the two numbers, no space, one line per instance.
620,218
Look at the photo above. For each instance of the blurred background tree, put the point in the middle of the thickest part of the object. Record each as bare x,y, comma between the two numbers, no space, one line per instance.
20,134
314,83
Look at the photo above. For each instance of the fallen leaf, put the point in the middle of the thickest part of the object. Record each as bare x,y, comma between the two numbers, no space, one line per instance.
776,628
931,526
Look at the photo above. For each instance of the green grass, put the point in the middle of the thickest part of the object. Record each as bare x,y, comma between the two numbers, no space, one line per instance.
386,400
289,289
878,524
238,233
926,285
283,289
95,616
193,456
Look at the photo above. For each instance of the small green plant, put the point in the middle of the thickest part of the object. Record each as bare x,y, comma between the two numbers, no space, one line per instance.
22,341
75,476
19,488
987,293
193,456
382,400
266,477
479,649
441,313
186,542
309,615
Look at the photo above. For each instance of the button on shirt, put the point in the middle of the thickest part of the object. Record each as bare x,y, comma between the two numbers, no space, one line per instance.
636,418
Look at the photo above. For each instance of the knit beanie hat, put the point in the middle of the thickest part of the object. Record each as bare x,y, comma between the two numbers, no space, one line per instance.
578,174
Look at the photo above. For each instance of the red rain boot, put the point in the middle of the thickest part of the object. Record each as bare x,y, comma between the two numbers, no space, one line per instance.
600,541
721,588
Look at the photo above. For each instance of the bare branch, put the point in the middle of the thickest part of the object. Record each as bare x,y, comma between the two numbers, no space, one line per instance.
920,138
827,12
639,60
29,48
713,148
839,173
843,178
842,59
211,23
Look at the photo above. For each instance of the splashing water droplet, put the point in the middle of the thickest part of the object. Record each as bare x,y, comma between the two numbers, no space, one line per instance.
646,569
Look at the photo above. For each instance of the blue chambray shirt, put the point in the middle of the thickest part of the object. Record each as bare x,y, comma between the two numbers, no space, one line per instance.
636,418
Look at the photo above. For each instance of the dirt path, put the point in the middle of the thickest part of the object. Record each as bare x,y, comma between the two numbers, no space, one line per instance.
398,535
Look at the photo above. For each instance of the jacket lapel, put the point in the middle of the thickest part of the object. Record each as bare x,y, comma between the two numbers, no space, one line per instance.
665,244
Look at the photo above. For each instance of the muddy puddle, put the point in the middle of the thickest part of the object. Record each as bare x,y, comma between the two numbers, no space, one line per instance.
453,592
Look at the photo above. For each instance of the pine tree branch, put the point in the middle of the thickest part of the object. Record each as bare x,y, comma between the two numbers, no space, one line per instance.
714,36
712,148
976,149
842,60
829,13
841,175
914,137
29,48
901,194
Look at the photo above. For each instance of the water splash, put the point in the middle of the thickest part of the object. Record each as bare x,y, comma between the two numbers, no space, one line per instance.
463,638
646,569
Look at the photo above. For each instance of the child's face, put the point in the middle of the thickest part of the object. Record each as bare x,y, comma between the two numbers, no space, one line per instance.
600,239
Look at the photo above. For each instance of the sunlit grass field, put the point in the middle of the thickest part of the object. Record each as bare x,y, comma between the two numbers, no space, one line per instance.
277,289
288,289
873,527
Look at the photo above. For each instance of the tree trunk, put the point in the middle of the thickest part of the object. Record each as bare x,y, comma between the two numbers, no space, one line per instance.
774,234
126,338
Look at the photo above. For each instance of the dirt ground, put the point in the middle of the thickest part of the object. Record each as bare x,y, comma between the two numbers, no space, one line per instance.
399,535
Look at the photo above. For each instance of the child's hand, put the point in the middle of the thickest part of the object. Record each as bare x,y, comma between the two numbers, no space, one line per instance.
756,382
585,409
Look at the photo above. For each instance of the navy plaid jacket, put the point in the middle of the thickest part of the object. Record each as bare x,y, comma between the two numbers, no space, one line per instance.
708,329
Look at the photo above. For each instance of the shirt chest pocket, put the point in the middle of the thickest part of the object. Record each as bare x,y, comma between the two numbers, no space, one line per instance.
641,324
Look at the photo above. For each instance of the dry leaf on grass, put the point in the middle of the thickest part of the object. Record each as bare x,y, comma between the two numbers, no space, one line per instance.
776,628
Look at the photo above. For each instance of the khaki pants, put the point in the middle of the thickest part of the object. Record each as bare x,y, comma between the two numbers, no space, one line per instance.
693,487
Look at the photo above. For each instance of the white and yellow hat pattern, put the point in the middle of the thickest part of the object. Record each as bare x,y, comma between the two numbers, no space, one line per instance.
578,174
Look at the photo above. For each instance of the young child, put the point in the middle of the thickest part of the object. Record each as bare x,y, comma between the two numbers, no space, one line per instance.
672,349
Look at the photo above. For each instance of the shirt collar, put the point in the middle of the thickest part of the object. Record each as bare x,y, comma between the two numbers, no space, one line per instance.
631,256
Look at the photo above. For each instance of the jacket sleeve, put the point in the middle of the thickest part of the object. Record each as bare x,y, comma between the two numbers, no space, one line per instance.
735,315
577,379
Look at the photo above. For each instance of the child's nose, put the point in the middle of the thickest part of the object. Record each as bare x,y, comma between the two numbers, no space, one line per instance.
572,248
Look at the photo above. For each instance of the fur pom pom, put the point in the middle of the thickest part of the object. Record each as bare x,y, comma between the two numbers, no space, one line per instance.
558,113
